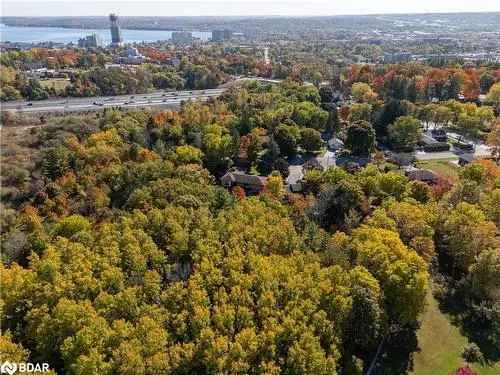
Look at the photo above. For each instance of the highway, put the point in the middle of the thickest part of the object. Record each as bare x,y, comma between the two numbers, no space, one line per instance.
157,98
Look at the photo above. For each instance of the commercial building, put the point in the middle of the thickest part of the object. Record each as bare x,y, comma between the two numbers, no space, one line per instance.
130,56
116,34
182,37
221,35
90,41
395,58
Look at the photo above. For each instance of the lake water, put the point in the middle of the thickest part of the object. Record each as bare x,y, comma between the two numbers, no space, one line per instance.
63,35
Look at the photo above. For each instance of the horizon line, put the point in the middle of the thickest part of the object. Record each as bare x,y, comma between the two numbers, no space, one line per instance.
267,15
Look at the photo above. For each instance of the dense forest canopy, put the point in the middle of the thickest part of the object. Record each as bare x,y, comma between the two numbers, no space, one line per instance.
121,252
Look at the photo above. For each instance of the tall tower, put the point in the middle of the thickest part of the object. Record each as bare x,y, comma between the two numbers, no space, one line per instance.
116,34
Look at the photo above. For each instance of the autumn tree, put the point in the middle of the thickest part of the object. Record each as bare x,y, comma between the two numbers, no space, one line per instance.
493,96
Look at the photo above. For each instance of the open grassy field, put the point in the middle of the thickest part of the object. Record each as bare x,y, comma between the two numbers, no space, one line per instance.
441,345
57,83
444,168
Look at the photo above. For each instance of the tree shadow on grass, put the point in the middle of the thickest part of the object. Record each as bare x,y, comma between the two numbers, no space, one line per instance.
397,355
473,320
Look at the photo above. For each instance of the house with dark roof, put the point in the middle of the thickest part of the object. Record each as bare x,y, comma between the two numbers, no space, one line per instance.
312,164
423,175
251,183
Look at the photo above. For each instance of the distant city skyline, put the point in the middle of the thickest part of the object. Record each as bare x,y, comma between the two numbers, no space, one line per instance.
34,8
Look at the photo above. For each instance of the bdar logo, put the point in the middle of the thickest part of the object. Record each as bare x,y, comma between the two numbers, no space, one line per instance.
8,368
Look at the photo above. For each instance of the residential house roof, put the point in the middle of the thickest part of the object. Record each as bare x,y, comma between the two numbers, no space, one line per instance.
240,178
421,175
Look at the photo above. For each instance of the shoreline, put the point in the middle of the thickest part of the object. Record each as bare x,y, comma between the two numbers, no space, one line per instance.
81,27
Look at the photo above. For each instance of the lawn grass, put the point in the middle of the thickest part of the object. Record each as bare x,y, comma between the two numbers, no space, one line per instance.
441,345
444,168
58,83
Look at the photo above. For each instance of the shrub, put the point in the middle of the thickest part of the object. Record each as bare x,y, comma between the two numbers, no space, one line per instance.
471,353
465,371
71,225
437,147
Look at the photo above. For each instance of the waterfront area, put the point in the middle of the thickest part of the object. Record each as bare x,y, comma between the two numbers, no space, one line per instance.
20,34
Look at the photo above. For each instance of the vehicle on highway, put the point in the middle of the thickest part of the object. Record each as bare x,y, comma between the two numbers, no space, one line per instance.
29,104
98,103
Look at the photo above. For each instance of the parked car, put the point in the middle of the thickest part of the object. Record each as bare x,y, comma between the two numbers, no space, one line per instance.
464,146
439,135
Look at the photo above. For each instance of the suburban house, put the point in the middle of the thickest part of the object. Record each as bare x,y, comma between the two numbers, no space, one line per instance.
335,144
423,175
251,183
312,164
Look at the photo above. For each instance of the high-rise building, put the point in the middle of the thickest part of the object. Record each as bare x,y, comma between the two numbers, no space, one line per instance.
221,35
90,41
182,37
116,34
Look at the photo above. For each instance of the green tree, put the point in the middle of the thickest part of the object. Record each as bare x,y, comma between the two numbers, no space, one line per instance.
406,132
484,274
334,203
486,80
56,162
310,140
464,234
287,138
360,112
367,321
9,93
33,90
309,115
360,138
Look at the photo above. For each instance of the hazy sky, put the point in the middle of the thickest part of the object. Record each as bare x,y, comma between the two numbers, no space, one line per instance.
239,7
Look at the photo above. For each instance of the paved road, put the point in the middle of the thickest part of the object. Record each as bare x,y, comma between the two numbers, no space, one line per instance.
422,155
157,98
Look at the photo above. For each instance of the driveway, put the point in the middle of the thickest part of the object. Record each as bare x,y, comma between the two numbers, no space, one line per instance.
295,174
327,160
